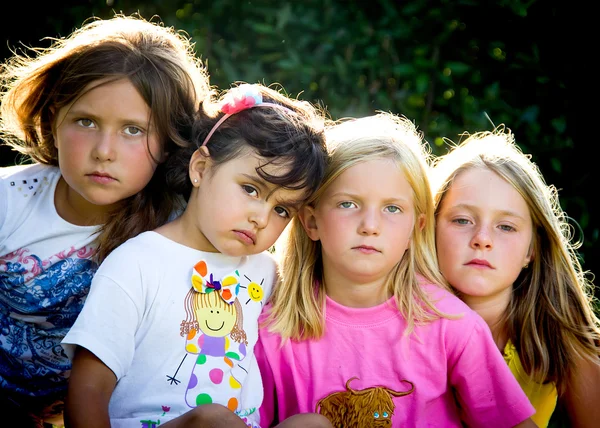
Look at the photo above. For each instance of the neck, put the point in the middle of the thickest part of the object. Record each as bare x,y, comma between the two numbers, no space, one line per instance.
492,310
184,231
75,209
355,293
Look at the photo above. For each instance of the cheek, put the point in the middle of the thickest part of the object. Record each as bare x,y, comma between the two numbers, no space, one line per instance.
275,228
336,228
516,258
71,141
446,246
404,227
156,149
140,155
441,238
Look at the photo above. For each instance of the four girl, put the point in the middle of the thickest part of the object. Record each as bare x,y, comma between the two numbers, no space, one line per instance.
361,328
98,112
503,244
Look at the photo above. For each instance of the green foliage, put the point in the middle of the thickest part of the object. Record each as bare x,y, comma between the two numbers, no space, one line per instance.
449,65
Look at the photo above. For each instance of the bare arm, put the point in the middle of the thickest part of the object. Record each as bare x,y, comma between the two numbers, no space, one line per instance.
90,387
582,397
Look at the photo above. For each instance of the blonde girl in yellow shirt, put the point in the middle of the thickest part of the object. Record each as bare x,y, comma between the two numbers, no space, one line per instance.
504,245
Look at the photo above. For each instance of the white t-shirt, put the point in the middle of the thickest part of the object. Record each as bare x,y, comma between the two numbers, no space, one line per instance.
45,274
171,347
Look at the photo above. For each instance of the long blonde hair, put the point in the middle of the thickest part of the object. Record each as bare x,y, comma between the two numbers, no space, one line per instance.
550,317
297,302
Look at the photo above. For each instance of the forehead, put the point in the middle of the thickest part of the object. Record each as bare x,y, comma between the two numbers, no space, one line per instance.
110,96
376,176
482,187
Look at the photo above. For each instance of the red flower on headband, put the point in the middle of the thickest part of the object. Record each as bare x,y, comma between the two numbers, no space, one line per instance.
241,98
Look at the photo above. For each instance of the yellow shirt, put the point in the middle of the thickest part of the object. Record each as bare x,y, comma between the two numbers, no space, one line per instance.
542,396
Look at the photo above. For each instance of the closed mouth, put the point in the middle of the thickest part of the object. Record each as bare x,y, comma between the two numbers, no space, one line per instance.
249,235
479,262
366,247
101,174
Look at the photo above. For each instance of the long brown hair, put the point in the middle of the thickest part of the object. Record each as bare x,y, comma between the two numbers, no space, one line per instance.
157,60
550,317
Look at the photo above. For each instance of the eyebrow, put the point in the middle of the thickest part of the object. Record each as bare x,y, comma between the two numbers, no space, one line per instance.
501,212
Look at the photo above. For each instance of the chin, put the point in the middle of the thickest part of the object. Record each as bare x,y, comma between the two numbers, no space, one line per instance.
236,252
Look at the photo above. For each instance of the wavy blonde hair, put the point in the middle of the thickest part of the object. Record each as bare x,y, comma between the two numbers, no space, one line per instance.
298,300
550,317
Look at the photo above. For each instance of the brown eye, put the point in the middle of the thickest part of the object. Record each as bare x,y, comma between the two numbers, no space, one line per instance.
250,190
282,212
133,131
86,123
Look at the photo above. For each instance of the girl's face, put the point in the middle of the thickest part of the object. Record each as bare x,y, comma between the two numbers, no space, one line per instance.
483,235
105,146
232,210
364,221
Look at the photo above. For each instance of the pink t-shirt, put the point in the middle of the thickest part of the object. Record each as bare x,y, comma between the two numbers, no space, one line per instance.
355,374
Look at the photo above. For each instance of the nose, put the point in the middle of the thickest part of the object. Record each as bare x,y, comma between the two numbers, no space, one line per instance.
259,215
105,148
482,239
369,223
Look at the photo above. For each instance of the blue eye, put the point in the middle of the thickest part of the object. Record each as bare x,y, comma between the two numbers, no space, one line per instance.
385,414
346,204
461,221
376,414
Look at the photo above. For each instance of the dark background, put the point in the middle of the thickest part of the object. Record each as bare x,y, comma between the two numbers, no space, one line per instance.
450,65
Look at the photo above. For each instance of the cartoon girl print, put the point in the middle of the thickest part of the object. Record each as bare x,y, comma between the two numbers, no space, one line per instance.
214,332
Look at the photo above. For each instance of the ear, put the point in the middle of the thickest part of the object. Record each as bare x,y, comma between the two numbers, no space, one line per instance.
420,224
199,165
421,221
529,257
309,222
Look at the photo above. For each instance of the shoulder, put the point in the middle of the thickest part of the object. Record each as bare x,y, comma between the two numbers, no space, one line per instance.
459,322
145,248
24,172
444,300
263,263
22,182
22,189
137,265
262,268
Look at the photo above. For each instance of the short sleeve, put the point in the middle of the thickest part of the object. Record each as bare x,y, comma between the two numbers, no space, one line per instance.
488,393
107,324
